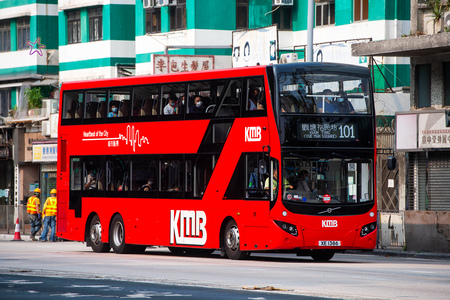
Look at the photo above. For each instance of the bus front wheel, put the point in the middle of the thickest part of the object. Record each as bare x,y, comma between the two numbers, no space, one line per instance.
322,255
117,236
95,236
231,241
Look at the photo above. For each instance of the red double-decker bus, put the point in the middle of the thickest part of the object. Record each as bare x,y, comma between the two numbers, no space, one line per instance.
264,158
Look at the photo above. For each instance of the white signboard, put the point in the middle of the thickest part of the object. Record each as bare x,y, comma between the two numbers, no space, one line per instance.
252,47
165,64
54,125
432,131
45,152
338,53
406,132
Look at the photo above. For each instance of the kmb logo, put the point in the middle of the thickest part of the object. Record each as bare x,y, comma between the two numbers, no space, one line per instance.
192,223
253,134
329,223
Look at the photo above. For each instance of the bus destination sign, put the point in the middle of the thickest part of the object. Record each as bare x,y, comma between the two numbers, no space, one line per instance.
336,131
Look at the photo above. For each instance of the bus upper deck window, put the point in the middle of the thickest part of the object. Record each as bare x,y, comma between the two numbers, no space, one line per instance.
73,105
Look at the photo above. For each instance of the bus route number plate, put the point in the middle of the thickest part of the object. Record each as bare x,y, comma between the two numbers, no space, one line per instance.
329,243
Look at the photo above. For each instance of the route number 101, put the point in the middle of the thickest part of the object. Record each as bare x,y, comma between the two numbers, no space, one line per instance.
346,131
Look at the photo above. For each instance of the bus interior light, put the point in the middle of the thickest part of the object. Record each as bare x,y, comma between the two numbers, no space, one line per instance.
289,228
366,229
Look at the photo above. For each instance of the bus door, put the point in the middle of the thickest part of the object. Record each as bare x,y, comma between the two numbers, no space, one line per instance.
63,188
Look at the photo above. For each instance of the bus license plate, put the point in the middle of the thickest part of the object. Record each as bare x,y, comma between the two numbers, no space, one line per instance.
329,243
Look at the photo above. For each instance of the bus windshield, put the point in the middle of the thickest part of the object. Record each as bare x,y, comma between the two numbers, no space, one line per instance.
316,93
328,181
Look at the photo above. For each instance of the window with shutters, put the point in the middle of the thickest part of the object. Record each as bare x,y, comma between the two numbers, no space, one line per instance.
360,10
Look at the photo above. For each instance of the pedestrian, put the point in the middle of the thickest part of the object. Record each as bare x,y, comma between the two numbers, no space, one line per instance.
34,213
50,217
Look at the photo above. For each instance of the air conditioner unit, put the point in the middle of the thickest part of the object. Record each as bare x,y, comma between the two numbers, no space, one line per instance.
46,128
148,3
159,3
282,2
288,58
49,106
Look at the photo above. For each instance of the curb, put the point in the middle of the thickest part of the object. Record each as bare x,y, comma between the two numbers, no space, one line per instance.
404,254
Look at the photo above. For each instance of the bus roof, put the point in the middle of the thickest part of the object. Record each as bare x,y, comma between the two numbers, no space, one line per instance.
214,74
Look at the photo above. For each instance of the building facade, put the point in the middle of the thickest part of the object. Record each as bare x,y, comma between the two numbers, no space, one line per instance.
28,61
96,39
422,134
205,27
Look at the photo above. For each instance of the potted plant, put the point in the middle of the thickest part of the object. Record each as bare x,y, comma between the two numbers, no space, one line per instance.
35,97
438,9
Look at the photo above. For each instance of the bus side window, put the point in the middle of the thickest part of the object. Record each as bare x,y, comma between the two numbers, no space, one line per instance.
231,100
171,175
94,174
119,99
173,99
75,173
95,104
144,174
117,174
255,94
256,178
203,169
73,102
145,100
208,92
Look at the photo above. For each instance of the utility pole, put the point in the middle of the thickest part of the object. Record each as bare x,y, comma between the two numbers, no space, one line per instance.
309,40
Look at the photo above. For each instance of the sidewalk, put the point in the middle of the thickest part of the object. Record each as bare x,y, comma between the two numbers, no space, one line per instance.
393,251
398,252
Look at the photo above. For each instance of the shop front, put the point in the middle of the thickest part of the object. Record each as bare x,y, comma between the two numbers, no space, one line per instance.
46,155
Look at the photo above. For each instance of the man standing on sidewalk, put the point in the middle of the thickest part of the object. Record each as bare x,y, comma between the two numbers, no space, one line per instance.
49,211
34,213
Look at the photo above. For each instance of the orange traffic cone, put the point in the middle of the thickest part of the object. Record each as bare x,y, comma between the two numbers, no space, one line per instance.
17,232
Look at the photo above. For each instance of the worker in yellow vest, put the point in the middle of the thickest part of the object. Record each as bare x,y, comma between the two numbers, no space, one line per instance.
34,213
50,217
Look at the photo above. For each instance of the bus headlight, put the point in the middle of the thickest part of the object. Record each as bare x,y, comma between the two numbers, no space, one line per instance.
289,228
366,229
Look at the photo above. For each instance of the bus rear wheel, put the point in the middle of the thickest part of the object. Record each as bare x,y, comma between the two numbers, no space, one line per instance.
95,236
117,236
231,241
322,255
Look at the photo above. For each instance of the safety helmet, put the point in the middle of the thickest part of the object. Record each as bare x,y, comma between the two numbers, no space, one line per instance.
37,190
53,191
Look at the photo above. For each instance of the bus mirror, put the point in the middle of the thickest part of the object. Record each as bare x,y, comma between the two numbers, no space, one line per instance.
391,163
262,166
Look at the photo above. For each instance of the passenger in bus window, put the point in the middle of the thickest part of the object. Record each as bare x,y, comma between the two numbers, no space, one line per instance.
149,186
325,103
344,106
253,99
174,189
286,183
92,182
170,108
261,103
113,112
181,105
197,107
121,186
302,184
